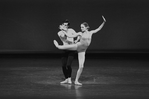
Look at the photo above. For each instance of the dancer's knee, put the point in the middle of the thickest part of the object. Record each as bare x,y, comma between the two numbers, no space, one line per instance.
81,67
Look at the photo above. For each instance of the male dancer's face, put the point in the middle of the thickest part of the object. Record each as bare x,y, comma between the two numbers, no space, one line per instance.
64,26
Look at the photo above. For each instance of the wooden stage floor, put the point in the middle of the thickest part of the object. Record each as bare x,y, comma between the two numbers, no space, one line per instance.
103,78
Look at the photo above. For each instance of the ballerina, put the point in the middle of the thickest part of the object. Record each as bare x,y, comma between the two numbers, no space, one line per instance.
81,46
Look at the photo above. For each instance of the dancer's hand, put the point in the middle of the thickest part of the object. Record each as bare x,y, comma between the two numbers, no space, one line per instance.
75,41
103,18
79,33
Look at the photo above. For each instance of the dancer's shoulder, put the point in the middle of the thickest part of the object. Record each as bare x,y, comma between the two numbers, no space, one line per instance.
71,30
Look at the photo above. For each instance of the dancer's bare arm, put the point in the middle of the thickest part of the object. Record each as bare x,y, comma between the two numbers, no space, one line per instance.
62,36
77,40
78,37
100,27
72,34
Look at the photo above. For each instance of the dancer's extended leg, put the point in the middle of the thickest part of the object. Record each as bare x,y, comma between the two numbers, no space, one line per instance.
81,57
69,47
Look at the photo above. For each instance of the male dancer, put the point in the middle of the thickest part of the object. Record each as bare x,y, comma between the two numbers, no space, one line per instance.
68,56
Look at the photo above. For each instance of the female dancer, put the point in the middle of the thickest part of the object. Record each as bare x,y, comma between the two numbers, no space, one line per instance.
81,46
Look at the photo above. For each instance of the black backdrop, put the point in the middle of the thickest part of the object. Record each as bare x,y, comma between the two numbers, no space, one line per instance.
31,25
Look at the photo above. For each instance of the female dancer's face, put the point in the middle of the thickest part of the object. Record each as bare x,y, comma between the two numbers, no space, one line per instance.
83,28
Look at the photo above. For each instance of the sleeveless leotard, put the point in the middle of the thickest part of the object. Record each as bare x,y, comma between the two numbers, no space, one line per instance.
83,45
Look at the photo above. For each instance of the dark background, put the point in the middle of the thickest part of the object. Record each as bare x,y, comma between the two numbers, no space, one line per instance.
32,25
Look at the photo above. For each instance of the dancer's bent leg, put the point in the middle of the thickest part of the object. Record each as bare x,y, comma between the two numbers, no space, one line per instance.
81,58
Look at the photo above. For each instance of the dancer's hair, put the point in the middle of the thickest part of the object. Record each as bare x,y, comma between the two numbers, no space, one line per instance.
86,25
66,21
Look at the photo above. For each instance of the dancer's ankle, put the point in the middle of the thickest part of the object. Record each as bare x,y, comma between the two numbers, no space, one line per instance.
69,80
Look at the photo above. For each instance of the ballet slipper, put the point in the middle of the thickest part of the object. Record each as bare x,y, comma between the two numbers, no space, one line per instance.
69,81
55,43
64,82
77,83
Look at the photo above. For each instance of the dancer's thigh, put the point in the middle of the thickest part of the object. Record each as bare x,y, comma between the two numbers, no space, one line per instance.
81,59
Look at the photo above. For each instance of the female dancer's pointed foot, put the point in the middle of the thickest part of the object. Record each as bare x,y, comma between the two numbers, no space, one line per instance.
55,43
77,83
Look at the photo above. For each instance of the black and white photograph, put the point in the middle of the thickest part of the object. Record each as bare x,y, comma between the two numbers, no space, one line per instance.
74,49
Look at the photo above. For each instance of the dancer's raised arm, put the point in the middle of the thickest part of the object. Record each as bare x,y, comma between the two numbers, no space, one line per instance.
100,27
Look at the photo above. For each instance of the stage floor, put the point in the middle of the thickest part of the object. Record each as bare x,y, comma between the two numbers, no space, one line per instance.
102,78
